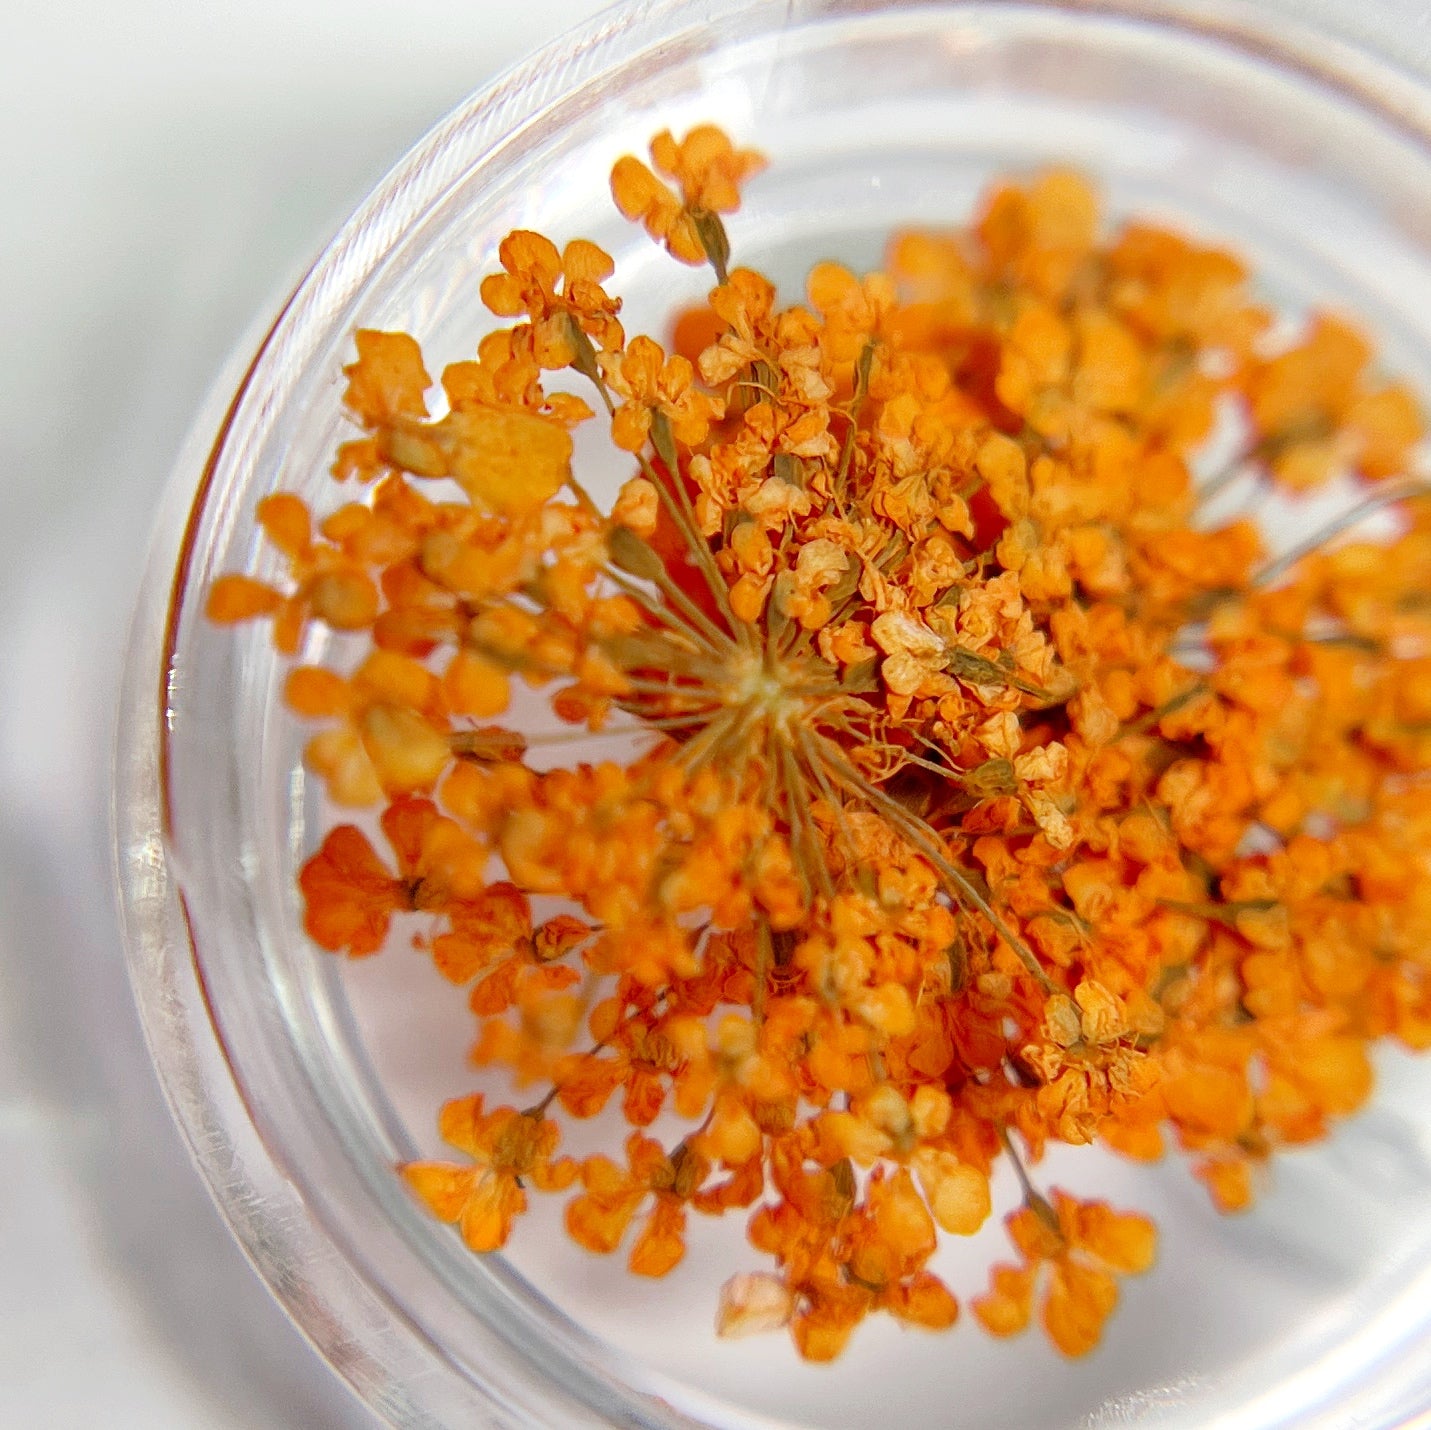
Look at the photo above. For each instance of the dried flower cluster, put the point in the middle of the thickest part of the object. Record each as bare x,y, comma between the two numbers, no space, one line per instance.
984,793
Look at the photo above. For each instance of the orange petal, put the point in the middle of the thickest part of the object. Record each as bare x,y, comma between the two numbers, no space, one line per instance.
407,753
462,1124
958,1194
503,295
583,262
753,1302
923,1300
1033,1236
631,425
349,895
901,1218
1210,1100
314,692
473,685
645,1093
388,380
496,992
286,522
495,1204
1006,1309
344,600
587,1083
444,1187
240,598
1080,1300
820,1337
406,823
598,1222
661,1243
555,1175
639,194
338,756
507,462
1124,1241
530,254
1336,1071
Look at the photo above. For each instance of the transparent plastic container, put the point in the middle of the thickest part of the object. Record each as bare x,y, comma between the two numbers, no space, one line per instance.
1290,132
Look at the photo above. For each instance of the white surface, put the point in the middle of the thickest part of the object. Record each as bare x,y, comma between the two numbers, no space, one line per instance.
168,166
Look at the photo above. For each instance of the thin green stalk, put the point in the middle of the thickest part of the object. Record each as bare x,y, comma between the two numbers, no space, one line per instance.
924,840
1406,490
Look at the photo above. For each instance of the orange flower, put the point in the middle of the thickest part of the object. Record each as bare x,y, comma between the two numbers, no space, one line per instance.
639,1057
709,170
506,1146
651,383
349,895
328,585
856,311
496,922
560,292
388,379
708,167
1038,234
391,733
1088,1061
840,1261
1075,1249
752,1303
598,1219
1312,409
958,779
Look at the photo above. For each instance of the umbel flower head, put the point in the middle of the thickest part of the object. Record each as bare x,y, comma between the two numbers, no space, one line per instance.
968,788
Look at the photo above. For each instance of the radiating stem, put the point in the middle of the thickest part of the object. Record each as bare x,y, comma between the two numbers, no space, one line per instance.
925,841
1389,495
1033,1198
660,612
647,727
802,827
831,796
699,750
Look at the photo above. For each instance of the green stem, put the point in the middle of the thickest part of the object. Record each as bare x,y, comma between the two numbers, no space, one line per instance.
924,840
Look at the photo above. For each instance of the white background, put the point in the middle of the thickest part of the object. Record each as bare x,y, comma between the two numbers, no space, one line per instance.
167,168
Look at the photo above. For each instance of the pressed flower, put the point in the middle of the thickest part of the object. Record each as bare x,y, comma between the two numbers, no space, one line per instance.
655,386
709,170
599,1218
388,379
1072,1254
942,779
1314,409
329,586
560,292
504,1146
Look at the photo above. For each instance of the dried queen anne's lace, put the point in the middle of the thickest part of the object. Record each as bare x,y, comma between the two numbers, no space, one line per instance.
989,796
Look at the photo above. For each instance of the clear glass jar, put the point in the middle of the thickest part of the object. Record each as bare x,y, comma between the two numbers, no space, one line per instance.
1288,131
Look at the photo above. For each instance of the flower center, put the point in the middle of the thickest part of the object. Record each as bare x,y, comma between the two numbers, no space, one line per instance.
765,692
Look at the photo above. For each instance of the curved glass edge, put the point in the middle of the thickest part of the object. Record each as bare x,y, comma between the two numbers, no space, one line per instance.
1395,31
397,1376
393,1365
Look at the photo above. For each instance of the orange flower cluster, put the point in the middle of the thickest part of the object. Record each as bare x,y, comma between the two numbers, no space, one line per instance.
978,790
